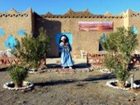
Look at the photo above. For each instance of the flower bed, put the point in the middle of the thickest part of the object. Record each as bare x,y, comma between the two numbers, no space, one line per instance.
11,86
113,84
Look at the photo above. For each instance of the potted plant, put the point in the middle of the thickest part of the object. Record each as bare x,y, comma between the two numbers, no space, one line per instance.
18,74
31,53
119,46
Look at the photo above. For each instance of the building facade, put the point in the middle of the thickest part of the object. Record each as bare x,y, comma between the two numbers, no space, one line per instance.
83,29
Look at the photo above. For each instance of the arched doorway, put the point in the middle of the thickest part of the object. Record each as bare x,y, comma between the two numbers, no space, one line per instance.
69,37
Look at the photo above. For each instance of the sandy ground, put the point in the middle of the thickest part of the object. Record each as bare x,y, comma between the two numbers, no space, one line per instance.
51,88
67,89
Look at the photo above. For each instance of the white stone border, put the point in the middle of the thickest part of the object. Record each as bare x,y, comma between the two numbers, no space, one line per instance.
18,88
136,86
105,71
108,83
32,71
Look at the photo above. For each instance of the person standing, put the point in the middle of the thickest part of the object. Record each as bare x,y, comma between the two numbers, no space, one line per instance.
66,58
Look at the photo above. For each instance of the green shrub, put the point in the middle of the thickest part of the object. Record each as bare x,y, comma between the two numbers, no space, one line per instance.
18,74
31,50
119,46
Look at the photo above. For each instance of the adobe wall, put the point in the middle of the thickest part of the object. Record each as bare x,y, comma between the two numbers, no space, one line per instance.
12,22
52,27
134,20
82,40
89,40
15,23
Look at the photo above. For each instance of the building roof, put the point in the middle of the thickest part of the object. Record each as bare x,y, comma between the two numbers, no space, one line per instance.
14,13
81,14
69,14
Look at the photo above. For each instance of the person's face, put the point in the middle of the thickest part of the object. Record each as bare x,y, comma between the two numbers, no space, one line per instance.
64,40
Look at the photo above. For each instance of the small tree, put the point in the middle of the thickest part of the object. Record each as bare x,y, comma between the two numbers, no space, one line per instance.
32,50
119,46
18,74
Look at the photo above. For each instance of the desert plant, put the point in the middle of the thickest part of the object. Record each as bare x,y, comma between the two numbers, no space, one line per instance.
18,74
31,50
119,46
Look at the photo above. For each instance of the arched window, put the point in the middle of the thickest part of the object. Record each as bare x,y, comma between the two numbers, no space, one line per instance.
21,32
10,42
102,40
134,30
2,32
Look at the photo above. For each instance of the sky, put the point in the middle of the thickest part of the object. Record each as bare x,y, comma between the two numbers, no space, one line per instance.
62,6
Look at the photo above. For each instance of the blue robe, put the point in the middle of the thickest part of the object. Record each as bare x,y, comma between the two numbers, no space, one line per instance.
66,59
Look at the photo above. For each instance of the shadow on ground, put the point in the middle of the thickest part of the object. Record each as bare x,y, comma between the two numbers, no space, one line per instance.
57,82
3,69
76,66
70,81
53,66
100,77
81,65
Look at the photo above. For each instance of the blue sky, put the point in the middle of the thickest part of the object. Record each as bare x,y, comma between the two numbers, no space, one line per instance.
61,6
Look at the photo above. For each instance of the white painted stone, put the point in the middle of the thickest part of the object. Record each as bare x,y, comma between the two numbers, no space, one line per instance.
108,83
105,71
26,85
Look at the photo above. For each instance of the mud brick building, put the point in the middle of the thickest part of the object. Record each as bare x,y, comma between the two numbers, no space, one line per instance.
84,29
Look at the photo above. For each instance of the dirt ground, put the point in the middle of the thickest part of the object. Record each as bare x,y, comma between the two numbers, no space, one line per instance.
87,88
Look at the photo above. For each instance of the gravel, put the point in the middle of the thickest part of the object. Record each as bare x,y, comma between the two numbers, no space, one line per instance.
87,88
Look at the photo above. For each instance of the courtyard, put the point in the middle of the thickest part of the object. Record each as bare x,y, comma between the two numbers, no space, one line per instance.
69,53
69,88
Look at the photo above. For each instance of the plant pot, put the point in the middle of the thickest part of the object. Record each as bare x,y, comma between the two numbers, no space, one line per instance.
32,70
116,84
12,86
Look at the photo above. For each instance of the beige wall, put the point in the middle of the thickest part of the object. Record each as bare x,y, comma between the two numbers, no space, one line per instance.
135,21
82,40
12,22
89,41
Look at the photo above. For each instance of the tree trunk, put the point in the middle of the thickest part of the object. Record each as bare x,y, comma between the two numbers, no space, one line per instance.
121,84
19,84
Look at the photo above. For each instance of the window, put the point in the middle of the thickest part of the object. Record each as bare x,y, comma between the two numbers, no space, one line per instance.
102,40
2,32
134,29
